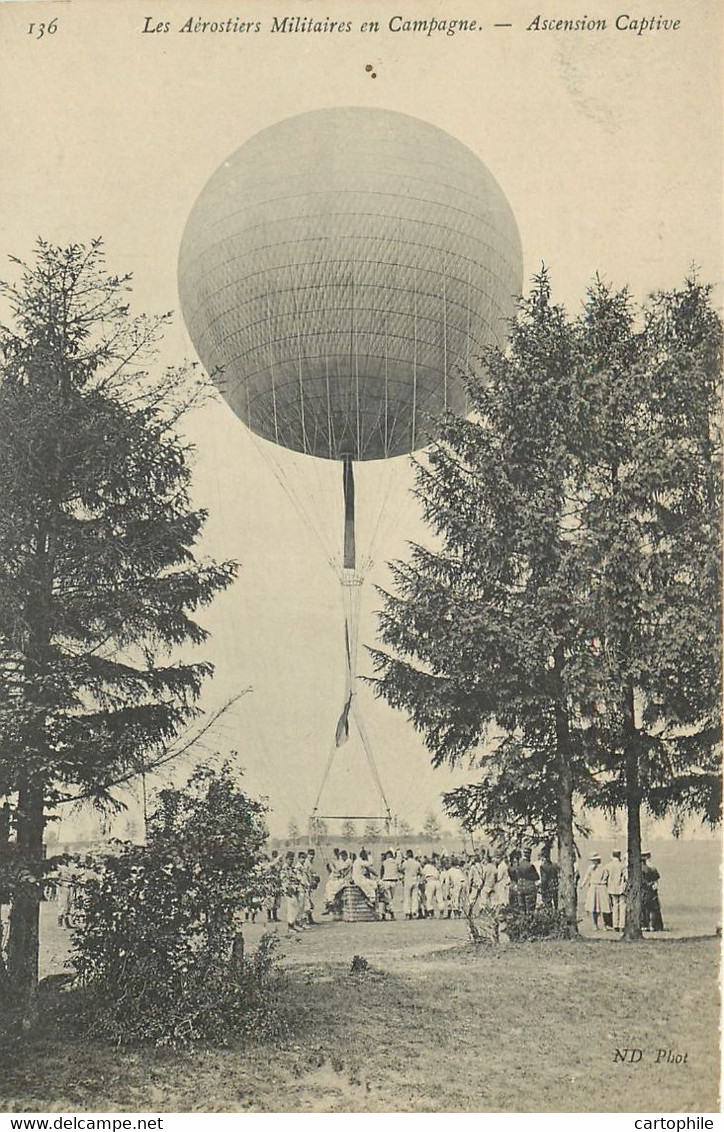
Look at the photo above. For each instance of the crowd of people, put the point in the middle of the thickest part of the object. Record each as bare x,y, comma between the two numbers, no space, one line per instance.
418,885
306,885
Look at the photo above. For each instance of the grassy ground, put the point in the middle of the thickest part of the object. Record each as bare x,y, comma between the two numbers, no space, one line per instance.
433,1026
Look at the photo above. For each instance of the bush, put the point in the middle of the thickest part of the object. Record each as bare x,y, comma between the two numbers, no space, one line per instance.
543,923
487,925
155,949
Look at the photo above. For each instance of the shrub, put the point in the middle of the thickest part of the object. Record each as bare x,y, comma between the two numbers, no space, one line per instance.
488,924
154,951
543,923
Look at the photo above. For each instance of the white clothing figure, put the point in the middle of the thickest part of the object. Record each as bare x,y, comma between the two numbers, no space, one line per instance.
597,898
501,893
411,875
454,889
364,876
616,886
433,892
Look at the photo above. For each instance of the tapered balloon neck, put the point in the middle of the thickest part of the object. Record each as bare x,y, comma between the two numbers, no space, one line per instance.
349,556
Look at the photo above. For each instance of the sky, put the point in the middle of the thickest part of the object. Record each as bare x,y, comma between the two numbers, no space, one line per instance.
607,144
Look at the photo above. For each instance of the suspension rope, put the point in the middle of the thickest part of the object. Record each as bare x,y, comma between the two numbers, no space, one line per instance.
296,497
371,760
325,776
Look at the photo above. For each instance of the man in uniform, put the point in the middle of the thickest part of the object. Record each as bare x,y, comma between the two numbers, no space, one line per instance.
390,876
549,872
527,879
293,890
411,886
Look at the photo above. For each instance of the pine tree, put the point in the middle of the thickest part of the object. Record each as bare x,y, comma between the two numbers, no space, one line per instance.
565,634
485,631
98,577
649,452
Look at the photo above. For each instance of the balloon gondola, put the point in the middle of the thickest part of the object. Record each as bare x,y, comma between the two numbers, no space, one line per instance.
336,274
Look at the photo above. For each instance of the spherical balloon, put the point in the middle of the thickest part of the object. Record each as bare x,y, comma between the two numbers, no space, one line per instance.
339,270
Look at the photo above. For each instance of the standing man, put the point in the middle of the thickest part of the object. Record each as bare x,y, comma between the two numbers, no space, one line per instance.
501,892
305,878
455,888
489,870
293,892
650,905
597,901
410,885
475,878
527,879
313,878
617,890
390,876
548,879
433,893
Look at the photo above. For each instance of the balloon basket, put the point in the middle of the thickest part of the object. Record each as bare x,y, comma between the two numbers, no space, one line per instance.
355,908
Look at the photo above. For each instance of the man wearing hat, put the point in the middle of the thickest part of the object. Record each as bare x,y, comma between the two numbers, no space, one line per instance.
597,901
390,874
411,879
617,890
527,880
650,907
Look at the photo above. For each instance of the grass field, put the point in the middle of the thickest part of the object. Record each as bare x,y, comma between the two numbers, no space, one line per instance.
434,1025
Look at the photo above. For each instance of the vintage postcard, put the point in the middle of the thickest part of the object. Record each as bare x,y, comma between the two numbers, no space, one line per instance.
489,881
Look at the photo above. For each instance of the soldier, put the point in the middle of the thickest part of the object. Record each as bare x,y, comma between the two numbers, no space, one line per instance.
390,875
271,869
454,888
340,871
433,892
527,879
617,890
313,884
501,892
305,877
549,872
365,877
411,886
294,893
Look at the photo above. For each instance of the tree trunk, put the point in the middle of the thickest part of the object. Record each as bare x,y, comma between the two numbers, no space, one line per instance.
567,893
634,887
24,936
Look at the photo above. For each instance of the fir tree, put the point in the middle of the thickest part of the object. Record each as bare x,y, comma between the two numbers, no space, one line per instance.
649,452
565,632
484,628
99,581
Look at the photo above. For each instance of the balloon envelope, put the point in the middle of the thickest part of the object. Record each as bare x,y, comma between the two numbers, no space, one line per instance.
336,273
